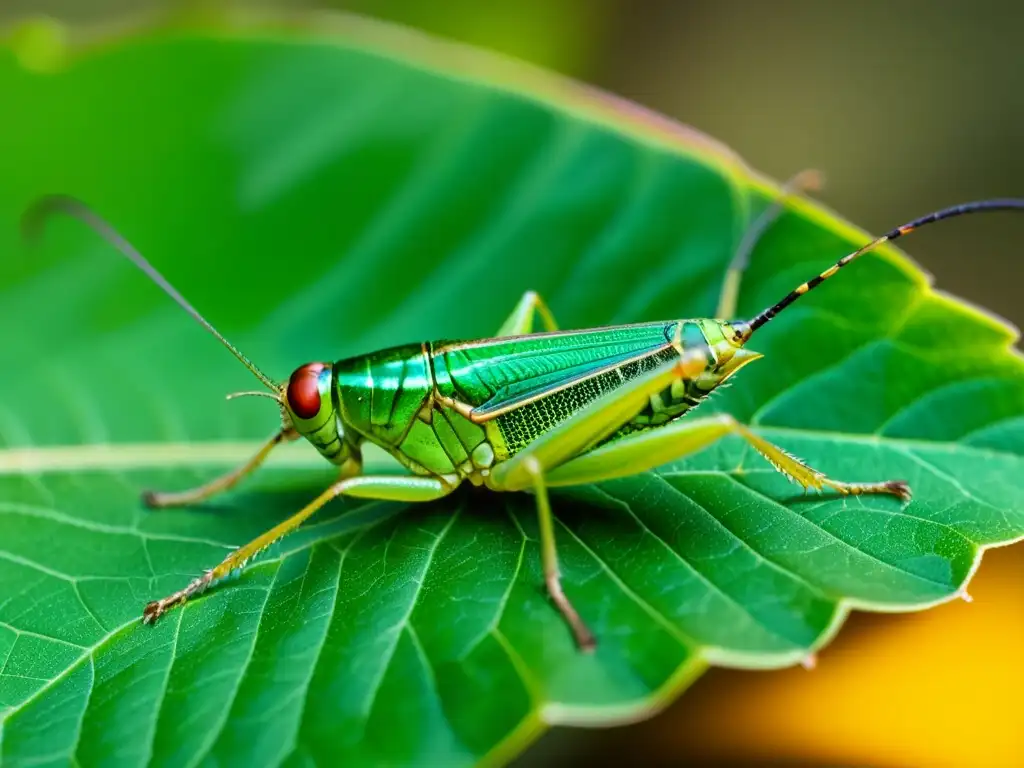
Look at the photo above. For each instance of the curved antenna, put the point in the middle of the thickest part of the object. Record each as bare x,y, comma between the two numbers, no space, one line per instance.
32,224
979,206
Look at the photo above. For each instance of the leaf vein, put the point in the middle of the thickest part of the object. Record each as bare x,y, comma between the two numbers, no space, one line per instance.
842,542
673,629
303,689
165,686
215,732
390,652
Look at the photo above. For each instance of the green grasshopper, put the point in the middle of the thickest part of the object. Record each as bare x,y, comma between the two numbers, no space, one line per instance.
522,411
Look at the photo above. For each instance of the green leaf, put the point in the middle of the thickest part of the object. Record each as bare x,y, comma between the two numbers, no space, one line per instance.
323,194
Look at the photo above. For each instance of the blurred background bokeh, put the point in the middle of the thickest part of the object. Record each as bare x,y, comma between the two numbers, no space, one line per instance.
906,106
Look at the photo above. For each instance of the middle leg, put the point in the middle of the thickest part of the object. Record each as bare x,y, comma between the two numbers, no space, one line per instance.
549,560
527,469
161,500
523,317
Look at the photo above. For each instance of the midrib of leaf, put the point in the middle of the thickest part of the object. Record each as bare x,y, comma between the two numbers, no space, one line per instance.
130,456
150,455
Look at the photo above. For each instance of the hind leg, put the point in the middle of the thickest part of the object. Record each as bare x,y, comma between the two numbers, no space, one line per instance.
652,448
527,469
805,181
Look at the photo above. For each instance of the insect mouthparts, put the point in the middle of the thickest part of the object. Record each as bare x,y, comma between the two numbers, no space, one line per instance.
743,331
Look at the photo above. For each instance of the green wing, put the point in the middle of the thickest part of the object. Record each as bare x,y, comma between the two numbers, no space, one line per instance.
496,376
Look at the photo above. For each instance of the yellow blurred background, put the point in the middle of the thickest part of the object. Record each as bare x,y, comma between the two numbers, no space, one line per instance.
907,107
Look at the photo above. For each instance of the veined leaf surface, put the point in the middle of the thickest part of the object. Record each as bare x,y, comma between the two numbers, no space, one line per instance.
321,195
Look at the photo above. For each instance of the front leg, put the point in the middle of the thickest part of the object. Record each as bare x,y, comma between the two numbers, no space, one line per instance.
384,487
157,500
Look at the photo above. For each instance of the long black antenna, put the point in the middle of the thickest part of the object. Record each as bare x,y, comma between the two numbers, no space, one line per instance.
37,214
979,206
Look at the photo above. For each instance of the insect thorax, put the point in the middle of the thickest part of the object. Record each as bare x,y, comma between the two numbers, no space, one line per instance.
388,398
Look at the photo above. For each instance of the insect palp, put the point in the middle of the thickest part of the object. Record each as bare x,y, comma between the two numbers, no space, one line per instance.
37,214
742,329
234,395
978,206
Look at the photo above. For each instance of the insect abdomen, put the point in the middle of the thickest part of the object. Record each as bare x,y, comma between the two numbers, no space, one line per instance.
521,387
522,426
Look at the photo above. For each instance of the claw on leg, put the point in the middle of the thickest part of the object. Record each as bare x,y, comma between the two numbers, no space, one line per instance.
812,479
898,488
158,608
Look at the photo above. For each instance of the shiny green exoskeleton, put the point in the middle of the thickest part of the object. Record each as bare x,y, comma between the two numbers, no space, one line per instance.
457,410
520,411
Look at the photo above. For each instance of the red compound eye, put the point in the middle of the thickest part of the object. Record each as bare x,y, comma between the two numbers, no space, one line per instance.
304,390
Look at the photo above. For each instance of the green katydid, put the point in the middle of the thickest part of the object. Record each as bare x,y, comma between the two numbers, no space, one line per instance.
521,411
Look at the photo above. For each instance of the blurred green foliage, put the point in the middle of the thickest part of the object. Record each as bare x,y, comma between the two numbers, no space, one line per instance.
906,107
